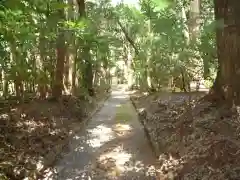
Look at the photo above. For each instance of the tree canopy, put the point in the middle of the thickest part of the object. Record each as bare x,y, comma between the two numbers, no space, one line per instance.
54,47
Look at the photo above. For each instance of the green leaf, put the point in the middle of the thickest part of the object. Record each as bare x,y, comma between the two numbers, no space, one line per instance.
162,4
59,5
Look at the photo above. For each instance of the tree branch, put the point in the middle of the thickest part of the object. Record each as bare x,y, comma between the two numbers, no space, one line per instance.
129,39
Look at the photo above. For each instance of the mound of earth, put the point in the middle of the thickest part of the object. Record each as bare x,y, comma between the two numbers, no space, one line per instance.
191,138
33,134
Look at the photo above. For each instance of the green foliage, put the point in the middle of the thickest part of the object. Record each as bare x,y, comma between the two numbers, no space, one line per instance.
29,31
161,4
166,50
155,36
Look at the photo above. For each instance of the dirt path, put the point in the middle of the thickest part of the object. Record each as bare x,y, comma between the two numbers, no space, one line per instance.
111,146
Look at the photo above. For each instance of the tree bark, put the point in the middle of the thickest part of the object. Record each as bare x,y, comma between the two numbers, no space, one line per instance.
61,53
81,8
227,84
70,70
194,19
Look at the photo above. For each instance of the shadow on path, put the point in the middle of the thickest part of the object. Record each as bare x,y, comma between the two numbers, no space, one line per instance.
111,146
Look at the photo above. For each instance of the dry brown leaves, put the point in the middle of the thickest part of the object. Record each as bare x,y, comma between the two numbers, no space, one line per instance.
192,139
31,134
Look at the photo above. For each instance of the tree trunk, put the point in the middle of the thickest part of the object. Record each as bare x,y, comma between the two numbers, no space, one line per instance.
70,69
227,84
88,73
5,83
194,31
58,83
40,66
73,71
81,8
194,18
61,52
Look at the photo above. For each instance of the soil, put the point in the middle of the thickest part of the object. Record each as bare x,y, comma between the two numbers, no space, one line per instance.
32,134
192,139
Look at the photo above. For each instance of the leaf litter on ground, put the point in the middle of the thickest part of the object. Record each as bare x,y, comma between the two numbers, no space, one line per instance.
32,134
191,138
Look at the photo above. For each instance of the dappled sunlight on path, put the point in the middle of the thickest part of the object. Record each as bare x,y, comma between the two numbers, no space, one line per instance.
111,146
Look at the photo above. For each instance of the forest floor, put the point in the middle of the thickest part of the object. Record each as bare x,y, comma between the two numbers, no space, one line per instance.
33,134
193,139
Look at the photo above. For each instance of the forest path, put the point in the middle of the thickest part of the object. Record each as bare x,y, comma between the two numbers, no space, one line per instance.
111,146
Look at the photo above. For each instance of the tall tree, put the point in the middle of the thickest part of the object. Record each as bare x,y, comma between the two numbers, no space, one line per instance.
227,84
88,68
61,54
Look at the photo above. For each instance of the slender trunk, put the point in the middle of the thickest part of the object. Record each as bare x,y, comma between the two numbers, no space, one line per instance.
194,30
58,83
61,53
129,68
185,29
183,82
127,36
5,84
67,85
194,19
40,67
70,69
73,71
148,61
186,34
88,73
17,76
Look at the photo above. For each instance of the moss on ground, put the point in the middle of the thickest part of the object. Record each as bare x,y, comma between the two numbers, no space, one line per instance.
124,113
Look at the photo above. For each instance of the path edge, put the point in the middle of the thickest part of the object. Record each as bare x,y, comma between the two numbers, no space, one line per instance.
147,134
57,151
